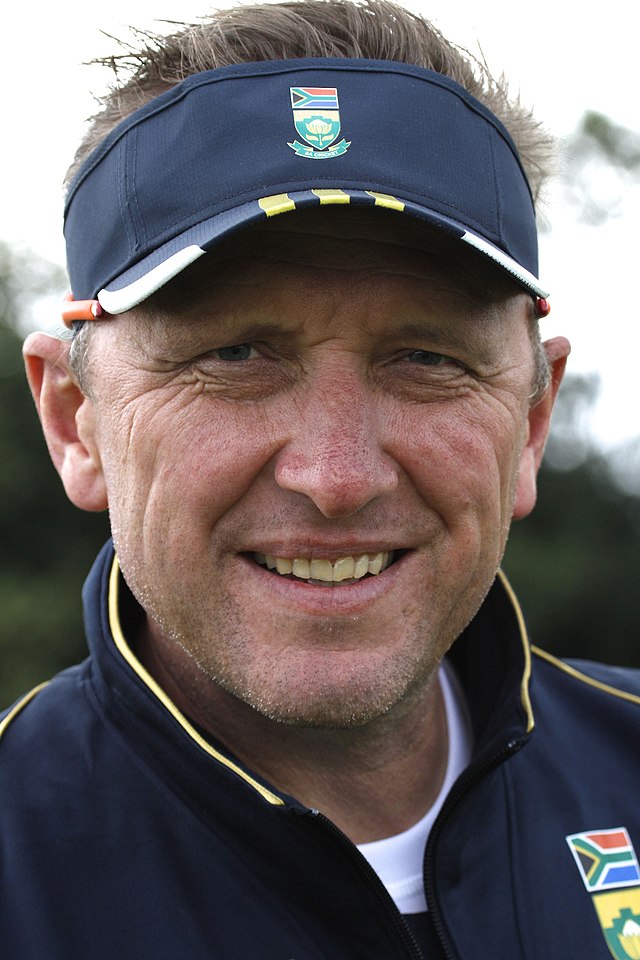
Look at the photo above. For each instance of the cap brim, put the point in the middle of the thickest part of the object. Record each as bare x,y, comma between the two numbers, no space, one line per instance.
167,261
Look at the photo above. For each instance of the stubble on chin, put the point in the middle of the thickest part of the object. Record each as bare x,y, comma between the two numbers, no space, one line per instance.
320,685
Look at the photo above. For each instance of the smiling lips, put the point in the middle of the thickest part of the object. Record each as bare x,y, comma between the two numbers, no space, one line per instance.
344,570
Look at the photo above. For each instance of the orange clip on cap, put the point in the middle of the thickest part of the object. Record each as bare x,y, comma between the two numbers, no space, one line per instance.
74,310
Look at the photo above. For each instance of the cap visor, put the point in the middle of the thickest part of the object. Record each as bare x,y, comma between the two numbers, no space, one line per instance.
167,261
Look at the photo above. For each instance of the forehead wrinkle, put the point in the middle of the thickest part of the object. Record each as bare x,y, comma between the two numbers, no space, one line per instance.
376,257
271,279
389,230
339,240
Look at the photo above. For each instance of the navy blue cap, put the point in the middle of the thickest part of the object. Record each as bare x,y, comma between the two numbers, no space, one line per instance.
243,143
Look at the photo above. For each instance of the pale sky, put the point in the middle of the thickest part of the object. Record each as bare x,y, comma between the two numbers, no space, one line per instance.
563,61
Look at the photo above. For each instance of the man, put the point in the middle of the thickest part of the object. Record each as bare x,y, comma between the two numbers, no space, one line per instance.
307,382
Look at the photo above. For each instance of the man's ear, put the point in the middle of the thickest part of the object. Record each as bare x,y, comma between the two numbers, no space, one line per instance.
68,420
539,419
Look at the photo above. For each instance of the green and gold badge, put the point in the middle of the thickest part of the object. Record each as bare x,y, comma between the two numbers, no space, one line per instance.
316,117
609,869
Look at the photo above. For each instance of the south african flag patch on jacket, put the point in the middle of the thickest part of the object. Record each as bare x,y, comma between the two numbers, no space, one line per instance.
605,859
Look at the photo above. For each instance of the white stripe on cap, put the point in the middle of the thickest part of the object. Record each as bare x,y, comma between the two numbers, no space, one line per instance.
123,299
119,301
507,263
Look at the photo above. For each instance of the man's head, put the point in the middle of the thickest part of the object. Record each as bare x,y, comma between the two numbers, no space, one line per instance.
313,437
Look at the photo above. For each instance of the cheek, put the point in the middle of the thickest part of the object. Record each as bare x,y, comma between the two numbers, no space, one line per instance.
462,460
187,467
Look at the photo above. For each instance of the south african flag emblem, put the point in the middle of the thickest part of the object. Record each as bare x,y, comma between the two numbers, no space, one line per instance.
316,117
605,859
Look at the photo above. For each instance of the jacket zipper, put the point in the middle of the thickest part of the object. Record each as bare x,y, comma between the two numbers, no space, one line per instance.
375,884
475,774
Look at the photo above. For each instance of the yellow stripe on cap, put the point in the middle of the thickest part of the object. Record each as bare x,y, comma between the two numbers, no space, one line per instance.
385,200
332,196
280,203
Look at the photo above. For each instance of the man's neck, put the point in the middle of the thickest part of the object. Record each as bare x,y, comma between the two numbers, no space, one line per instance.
372,781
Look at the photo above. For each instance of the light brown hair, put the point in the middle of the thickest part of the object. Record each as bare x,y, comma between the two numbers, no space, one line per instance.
371,29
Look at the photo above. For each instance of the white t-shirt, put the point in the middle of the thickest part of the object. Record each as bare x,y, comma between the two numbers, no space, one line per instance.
398,860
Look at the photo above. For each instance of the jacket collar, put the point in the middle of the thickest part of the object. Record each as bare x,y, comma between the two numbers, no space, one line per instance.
492,658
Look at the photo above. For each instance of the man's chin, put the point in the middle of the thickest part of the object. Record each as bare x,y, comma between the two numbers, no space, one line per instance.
322,716
328,706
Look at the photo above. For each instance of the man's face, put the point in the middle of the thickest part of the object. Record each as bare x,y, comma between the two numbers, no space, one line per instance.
325,393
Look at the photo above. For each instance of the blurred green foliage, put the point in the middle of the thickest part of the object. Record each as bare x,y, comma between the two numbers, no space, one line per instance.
573,563
603,162
46,545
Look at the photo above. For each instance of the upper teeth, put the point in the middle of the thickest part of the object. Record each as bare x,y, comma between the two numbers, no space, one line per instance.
345,568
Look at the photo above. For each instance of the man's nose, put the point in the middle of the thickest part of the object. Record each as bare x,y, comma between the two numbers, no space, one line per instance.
335,457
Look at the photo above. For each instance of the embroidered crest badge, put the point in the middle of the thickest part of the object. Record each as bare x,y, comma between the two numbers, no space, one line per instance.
316,117
609,869
619,916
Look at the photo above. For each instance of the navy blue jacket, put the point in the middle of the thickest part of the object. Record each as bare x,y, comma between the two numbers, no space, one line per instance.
124,833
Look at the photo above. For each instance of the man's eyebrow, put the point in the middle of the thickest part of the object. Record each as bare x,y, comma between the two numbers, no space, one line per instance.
477,333
165,333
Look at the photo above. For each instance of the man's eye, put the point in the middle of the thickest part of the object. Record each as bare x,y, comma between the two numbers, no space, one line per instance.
240,351
427,358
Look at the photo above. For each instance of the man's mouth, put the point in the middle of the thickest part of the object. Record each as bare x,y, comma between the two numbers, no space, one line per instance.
327,573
